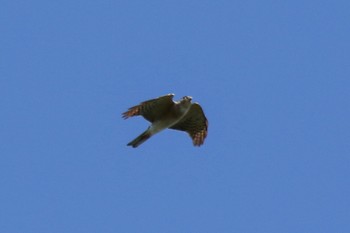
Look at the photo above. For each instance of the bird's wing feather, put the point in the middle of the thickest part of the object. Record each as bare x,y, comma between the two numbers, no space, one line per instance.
152,109
194,123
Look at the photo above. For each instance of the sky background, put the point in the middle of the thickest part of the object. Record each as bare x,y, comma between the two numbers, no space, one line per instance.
273,78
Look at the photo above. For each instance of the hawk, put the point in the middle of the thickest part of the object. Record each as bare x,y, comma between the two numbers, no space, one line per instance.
164,113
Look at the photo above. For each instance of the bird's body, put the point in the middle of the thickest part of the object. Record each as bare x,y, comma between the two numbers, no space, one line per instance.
164,113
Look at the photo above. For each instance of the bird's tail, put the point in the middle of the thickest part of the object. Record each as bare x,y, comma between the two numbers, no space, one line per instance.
140,139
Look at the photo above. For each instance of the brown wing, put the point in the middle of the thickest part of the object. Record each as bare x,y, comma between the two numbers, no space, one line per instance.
151,110
195,124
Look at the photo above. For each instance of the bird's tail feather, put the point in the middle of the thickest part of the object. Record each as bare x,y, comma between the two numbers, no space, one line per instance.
140,139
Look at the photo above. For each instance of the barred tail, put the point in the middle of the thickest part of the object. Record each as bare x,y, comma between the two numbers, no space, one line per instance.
140,139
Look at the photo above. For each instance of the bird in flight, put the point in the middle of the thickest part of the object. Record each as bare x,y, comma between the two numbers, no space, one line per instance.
164,113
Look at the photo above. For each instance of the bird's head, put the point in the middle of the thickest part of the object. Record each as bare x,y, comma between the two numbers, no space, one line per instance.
185,102
186,99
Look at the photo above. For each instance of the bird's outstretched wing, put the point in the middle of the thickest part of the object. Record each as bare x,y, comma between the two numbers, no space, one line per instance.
195,124
152,109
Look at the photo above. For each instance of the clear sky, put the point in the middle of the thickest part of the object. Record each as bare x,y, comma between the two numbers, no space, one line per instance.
273,78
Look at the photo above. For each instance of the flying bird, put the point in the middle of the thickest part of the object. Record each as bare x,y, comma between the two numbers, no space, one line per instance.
164,113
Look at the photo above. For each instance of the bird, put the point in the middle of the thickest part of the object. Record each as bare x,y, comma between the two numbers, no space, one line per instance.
164,113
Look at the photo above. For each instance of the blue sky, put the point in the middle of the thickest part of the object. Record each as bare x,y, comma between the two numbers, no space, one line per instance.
273,78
